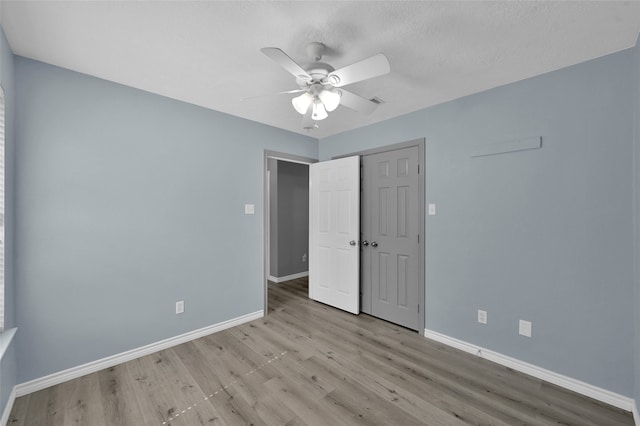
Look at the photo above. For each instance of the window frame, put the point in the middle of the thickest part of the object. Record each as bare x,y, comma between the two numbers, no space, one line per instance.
2,209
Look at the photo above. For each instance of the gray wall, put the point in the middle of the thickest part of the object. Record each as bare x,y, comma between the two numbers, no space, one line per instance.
293,217
636,215
128,203
8,366
541,235
289,217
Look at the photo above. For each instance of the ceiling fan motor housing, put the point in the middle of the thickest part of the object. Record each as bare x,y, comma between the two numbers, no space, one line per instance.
318,72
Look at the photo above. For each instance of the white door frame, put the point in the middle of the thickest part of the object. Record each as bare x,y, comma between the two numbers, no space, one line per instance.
266,237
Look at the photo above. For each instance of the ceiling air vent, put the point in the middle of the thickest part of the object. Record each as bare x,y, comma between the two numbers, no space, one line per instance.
376,100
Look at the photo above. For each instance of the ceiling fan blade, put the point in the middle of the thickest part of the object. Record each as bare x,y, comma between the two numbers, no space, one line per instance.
282,59
273,94
363,70
309,123
357,102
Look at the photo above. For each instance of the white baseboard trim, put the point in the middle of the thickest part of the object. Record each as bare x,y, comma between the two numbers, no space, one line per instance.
91,367
603,395
288,277
7,409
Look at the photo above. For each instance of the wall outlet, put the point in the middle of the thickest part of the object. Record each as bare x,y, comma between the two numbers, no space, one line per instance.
432,209
482,316
525,328
179,307
304,257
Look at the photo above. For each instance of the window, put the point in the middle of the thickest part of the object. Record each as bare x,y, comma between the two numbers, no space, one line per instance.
2,209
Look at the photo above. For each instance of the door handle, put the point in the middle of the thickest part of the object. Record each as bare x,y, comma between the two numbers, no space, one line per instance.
374,244
352,243
365,243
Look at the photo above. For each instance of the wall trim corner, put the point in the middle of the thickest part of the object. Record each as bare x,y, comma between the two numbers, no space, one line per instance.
100,364
603,395
288,277
7,408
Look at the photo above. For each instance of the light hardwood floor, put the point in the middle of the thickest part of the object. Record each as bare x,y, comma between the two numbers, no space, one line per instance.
309,364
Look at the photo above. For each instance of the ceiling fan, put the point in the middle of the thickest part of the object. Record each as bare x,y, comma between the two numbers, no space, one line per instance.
322,85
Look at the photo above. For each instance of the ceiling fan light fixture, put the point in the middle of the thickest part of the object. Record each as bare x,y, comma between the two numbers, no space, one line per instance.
301,103
330,99
320,82
319,112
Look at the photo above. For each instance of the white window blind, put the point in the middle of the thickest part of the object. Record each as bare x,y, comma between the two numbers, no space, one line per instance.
2,242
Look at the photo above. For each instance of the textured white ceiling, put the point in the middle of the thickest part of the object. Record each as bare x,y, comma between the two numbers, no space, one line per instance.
208,52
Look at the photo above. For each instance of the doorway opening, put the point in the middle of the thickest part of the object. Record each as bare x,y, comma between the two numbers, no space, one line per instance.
286,218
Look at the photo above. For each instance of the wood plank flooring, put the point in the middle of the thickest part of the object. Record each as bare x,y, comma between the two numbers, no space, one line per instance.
309,364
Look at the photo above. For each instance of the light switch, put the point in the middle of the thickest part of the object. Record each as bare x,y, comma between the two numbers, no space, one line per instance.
432,209
524,328
249,209
482,316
